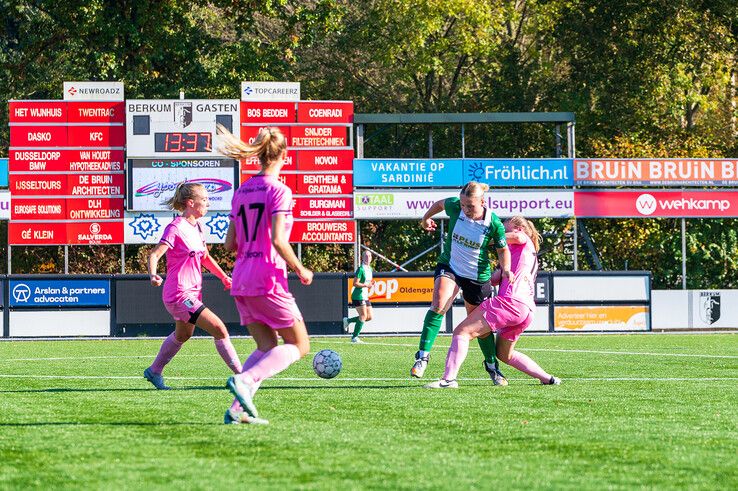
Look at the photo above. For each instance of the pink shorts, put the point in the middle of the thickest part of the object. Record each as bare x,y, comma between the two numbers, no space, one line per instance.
507,316
187,310
276,310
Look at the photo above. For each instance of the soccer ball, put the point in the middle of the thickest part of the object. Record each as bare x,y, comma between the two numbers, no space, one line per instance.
327,363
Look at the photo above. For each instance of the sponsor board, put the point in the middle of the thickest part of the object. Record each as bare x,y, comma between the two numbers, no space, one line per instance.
147,227
318,136
38,136
249,133
324,184
324,232
38,160
325,112
94,233
325,160
96,136
408,172
65,233
5,204
268,112
656,172
96,112
37,233
289,180
519,172
38,185
112,184
322,207
38,209
94,208
408,205
59,293
403,289
712,309
37,112
93,91
153,181
270,91
253,165
601,318
656,204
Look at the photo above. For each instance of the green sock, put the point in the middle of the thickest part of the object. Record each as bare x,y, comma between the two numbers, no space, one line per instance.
488,349
357,328
353,319
431,326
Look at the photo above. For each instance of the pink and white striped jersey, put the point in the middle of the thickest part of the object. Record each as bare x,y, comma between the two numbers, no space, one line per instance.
259,269
187,247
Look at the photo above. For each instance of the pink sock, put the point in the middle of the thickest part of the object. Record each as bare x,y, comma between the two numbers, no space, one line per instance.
255,356
456,356
526,365
274,361
228,353
169,348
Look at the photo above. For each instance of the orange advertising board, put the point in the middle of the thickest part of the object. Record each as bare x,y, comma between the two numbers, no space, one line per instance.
601,318
411,289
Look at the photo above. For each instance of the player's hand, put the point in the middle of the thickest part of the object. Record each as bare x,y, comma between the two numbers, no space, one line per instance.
509,276
155,280
428,225
305,275
227,282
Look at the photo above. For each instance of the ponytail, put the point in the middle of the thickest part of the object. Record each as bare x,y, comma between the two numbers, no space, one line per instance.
268,146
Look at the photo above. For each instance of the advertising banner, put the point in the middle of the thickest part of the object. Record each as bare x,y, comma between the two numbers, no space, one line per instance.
38,184
409,205
325,112
38,136
322,207
403,289
328,232
519,172
4,173
94,208
253,165
268,112
37,233
656,204
147,227
270,91
95,160
38,160
37,112
601,318
94,233
153,181
59,293
249,133
96,112
96,136
289,180
38,209
325,160
408,172
656,172
5,204
318,136
324,184
96,184
93,91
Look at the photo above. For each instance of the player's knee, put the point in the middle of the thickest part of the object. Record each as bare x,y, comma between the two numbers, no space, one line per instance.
182,337
368,317
504,356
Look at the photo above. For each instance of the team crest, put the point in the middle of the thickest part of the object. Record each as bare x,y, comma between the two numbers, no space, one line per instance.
709,307
183,113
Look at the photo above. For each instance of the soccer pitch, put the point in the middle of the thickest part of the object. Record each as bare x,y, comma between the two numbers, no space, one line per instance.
653,411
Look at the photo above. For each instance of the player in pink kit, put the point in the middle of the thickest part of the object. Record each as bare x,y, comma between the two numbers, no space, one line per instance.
184,244
261,221
508,314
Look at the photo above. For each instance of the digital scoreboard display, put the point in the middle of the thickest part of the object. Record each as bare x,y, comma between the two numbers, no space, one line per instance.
178,128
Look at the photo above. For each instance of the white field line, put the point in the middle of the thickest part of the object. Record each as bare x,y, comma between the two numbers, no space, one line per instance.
378,379
598,352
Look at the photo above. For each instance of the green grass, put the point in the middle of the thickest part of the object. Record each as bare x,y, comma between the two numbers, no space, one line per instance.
617,421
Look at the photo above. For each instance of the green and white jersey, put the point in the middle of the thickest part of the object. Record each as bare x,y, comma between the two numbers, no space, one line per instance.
466,246
364,275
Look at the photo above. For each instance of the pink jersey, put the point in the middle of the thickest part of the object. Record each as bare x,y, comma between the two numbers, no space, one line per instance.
187,247
524,263
259,269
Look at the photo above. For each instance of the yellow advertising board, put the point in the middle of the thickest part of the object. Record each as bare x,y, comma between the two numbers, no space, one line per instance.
601,318
412,289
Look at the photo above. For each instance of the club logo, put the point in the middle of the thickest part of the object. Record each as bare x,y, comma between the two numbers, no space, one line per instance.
475,172
72,91
145,225
646,204
183,113
21,292
248,90
94,228
218,225
709,307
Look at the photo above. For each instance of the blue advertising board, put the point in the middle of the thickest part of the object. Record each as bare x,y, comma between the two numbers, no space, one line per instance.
3,173
59,293
419,173
431,173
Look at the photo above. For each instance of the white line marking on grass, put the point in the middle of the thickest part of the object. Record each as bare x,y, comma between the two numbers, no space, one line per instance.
553,350
380,379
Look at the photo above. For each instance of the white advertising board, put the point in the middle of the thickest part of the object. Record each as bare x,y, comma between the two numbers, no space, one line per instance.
270,91
147,227
153,181
93,91
178,128
408,205
714,309
606,287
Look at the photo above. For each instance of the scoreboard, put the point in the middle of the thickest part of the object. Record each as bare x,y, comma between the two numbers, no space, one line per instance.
178,128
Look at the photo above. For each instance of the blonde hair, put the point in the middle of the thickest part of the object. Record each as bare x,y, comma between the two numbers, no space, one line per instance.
366,257
528,228
184,191
269,145
474,189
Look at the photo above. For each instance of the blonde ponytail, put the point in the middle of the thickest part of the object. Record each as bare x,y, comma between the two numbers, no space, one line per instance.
269,145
